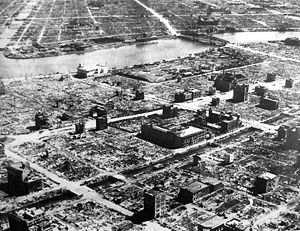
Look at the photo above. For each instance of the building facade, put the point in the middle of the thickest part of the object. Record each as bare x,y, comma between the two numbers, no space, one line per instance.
192,192
154,204
265,182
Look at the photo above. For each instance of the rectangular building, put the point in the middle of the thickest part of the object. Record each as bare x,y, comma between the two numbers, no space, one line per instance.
265,182
154,204
172,138
269,103
20,179
215,223
192,192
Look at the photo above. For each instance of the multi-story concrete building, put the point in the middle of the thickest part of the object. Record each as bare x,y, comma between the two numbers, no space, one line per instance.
41,120
101,123
240,93
293,138
172,138
80,127
228,81
192,192
154,204
20,179
265,182
169,111
269,103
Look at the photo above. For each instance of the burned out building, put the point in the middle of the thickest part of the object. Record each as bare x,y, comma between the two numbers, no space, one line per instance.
269,103
101,123
216,120
41,120
240,93
21,180
172,137
169,111
215,102
80,127
139,95
260,90
265,182
192,192
228,81
226,121
98,111
293,138
213,184
154,204
28,219
289,83
271,77
185,95
215,223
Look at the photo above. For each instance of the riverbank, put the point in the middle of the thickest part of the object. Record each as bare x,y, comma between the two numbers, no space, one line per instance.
118,57
37,50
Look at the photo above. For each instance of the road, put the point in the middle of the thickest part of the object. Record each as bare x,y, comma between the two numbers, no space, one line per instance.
166,22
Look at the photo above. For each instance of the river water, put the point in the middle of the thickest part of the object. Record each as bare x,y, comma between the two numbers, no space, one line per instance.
126,55
114,57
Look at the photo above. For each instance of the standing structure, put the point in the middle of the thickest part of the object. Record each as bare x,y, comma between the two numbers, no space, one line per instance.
169,111
215,223
240,93
289,83
19,181
192,192
154,204
269,103
293,138
41,120
265,182
101,123
80,127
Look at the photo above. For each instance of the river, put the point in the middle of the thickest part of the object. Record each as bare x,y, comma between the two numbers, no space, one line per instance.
113,57
125,55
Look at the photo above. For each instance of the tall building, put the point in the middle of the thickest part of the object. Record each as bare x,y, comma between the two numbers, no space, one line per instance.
20,179
265,182
154,204
41,120
240,93
79,127
101,123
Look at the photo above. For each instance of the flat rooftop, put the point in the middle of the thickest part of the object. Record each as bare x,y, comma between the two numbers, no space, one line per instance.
213,222
189,131
268,176
196,186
